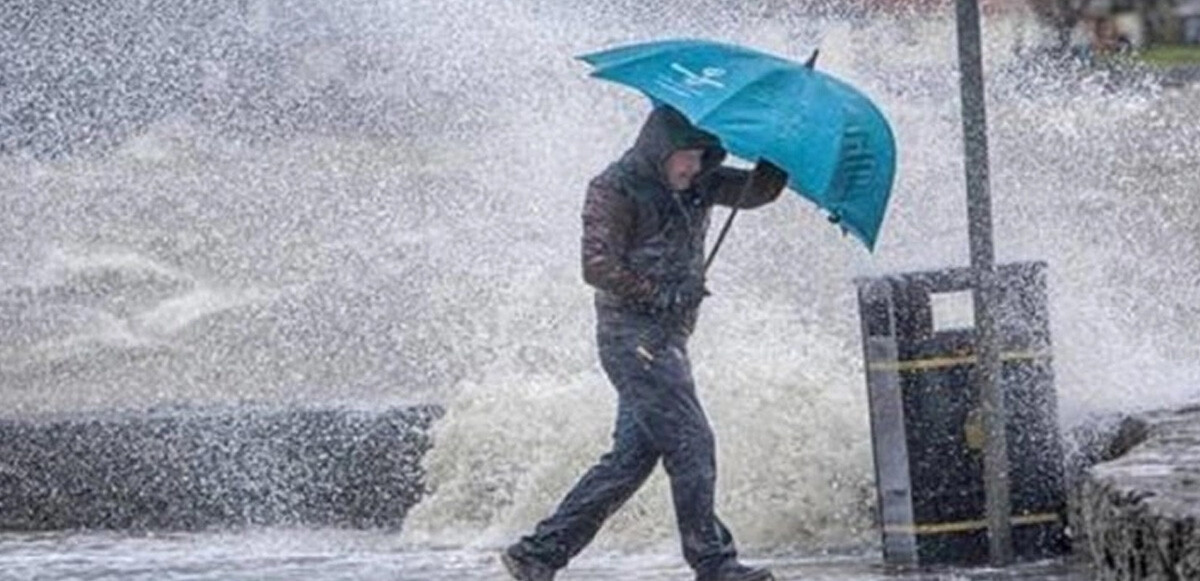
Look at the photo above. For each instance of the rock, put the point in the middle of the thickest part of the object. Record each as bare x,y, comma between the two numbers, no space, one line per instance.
1136,514
190,469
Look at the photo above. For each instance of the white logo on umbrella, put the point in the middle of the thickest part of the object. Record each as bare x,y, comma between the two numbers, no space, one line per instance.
707,76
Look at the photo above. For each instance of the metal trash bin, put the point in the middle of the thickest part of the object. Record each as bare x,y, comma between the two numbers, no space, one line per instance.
926,424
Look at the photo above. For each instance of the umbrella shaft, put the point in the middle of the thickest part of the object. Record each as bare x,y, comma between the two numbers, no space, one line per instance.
721,236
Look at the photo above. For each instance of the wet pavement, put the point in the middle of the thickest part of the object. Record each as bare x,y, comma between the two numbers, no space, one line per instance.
329,555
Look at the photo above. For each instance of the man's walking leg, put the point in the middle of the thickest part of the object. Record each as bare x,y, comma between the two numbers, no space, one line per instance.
601,491
678,424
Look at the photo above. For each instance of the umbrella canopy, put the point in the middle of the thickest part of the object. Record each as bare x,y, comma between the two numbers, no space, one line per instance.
833,142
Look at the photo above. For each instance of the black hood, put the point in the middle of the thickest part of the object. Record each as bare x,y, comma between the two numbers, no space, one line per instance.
665,132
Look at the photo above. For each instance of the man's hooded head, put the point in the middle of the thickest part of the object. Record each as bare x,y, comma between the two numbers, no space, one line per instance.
665,133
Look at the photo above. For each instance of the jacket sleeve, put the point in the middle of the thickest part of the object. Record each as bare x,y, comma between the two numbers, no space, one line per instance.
608,226
746,189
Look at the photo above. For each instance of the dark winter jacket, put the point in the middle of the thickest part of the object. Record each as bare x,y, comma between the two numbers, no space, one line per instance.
638,234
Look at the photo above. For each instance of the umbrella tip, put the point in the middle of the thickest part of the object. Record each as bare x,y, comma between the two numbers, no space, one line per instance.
812,59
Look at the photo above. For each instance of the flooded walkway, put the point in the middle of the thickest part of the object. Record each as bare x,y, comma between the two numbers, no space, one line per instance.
336,555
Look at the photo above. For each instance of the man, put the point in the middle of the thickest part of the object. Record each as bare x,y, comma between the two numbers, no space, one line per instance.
644,224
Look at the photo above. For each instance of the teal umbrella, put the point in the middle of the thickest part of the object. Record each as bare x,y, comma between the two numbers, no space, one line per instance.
833,142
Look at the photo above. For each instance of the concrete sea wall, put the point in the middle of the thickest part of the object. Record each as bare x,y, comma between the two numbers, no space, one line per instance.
190,469
1135,515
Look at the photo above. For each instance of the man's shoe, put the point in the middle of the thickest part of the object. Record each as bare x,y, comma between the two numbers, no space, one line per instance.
734,571
523,568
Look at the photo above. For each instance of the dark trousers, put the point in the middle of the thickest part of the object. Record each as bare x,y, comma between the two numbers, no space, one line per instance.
658,417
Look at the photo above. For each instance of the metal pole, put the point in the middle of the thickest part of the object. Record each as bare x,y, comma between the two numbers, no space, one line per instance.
979,217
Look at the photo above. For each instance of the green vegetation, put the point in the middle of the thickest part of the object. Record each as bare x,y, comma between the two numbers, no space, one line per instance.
1172,55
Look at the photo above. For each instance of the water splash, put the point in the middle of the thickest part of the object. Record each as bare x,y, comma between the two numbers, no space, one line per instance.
421,244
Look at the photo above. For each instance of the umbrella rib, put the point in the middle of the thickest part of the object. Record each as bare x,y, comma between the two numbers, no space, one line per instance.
742,89
666,46
640,52
762,79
